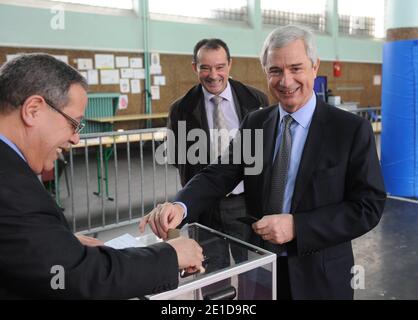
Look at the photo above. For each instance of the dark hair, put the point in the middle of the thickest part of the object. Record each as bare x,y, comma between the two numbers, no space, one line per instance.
210,44
36,73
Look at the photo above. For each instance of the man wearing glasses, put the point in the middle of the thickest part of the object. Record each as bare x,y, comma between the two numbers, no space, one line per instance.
78,125
42,103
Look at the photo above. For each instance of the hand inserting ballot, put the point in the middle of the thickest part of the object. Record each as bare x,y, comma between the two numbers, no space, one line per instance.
173,234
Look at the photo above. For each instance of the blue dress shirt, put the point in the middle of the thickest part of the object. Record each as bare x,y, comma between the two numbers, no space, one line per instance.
12,145
299,130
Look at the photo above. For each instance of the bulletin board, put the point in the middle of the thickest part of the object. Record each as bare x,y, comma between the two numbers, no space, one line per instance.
356,83
136,101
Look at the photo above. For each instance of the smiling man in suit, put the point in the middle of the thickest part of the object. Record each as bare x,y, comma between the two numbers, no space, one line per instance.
321,184
216,103
42,103
197,109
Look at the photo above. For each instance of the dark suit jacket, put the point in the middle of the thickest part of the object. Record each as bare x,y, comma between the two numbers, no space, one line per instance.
339,195
34,236
191,108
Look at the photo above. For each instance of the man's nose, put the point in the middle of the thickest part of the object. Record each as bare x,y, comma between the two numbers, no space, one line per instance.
286,79
213,73
75,138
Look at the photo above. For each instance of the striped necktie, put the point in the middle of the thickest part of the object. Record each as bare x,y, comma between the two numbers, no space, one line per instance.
219,123
280,169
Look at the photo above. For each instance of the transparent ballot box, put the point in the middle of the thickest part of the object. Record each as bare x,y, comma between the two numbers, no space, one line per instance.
234,270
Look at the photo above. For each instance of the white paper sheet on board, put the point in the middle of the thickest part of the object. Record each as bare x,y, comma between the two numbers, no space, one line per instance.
127,73
139,73
136,63
155,69
159,80
155,92
84,64
135,86
104,61
122,62
109,76
93,76
124,86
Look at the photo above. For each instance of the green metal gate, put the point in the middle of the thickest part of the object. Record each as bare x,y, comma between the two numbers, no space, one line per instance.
100,105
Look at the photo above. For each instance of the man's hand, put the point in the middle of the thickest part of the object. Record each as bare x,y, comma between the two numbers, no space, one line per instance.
163,217
89,241
189,253
276,228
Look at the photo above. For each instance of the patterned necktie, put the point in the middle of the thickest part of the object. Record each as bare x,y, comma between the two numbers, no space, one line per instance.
219,123
280,169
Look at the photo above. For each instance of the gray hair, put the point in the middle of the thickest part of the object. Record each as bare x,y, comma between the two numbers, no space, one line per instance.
36,74
282,36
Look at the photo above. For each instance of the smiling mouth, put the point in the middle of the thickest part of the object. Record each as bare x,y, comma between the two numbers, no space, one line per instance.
288,92
214,82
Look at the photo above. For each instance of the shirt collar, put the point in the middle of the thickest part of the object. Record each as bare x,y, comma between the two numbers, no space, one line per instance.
11,145
304,115
226,94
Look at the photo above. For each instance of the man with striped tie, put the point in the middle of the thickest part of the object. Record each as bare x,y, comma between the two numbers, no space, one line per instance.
321,184
217,105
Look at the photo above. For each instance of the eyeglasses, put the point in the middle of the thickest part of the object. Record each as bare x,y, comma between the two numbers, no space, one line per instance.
78,126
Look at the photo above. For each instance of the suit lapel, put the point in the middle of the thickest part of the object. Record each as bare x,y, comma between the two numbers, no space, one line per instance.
311,153
195,109
200,114
269,138
243,100
193,105
240,109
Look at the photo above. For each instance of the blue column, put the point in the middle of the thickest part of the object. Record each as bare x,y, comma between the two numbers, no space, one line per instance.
399,154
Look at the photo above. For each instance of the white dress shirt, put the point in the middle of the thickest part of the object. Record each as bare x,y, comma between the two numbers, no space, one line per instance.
231,117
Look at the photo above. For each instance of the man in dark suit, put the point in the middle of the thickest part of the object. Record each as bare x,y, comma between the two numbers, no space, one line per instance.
321,184
42,102
197,110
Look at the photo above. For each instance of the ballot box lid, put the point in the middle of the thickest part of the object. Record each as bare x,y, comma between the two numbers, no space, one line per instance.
225,256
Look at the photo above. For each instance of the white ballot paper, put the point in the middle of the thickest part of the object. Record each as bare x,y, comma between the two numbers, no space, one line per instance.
128,241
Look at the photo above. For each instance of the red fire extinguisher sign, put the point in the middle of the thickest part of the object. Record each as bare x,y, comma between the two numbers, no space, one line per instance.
336,66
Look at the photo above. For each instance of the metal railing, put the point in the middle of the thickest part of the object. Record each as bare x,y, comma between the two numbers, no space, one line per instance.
121,185
374,115
114,179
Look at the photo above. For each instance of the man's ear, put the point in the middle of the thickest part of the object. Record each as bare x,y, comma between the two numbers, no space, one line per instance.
31,110
194,66
316,67
229,65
